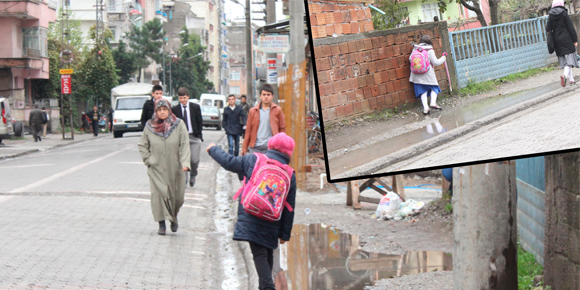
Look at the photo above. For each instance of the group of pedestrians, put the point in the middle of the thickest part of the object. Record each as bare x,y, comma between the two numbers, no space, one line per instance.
170,145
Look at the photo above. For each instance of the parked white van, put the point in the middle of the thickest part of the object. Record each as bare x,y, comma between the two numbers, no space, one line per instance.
8,127
213,100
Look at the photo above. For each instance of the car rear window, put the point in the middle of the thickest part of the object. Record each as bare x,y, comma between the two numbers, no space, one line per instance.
209,110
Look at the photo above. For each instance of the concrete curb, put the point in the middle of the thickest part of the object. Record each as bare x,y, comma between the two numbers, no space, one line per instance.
439,140
38,150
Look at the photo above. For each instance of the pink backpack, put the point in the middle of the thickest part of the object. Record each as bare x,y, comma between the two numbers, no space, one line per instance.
420,60
264,195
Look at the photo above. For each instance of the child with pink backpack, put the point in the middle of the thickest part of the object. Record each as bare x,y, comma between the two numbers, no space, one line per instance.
266,200
423,77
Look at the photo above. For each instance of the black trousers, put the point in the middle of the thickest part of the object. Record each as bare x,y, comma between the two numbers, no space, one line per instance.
263,260
95,128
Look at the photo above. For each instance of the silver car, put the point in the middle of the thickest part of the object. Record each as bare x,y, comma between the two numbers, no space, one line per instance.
212,117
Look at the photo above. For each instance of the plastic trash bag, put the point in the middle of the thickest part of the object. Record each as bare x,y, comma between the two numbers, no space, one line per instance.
389,204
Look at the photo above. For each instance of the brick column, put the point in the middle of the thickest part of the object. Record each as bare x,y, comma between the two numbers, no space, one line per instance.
562,234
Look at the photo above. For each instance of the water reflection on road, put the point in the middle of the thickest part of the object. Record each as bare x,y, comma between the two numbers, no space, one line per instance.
319,256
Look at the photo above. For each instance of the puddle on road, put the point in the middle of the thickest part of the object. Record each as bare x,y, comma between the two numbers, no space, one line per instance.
449,119
321,257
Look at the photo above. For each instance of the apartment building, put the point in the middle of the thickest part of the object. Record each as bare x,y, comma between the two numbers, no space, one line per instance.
23,51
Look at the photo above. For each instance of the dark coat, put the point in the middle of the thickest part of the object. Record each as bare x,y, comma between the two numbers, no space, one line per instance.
234,120
91,114
248,227
148,110
564,33
196,119
36,117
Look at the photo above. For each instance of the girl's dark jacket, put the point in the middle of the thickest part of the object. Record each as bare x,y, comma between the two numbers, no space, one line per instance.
564,33
248,227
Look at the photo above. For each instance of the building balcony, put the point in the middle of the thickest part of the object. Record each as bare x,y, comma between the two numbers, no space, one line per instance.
29,9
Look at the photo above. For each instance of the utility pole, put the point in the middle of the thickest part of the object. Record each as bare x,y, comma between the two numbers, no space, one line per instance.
271,18
485,227
249,60
297,54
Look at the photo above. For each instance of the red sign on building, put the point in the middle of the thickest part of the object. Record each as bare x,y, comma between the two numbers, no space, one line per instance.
65,84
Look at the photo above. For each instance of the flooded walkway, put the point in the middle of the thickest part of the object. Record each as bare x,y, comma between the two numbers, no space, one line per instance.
442,121
319,256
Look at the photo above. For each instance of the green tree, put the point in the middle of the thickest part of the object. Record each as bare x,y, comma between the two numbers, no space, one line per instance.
125,61
189,69
98,72
474,5
51,88
395,13
146,42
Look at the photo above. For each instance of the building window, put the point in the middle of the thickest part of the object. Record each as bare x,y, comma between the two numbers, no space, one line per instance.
34,42
210,6
211,47
234,75
235,90
112,6
211,27
430,10
470,13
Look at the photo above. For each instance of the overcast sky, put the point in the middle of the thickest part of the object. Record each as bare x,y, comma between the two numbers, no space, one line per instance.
237,12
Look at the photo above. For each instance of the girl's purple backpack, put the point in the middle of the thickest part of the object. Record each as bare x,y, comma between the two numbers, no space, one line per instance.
264,195
420,60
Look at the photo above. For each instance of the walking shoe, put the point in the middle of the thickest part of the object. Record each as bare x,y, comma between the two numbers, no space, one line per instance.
174,226
425,112
563,80
161,228
39,139
436,107
572,83
191,181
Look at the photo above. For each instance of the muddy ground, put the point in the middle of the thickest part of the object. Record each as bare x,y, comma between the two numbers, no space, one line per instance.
350,132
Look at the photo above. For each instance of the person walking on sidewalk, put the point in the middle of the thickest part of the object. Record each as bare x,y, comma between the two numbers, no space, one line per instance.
95,116
190,113
565,40
265,120
45,122
148,107
262,235
426,83
35,120
233,120
246,108
164,148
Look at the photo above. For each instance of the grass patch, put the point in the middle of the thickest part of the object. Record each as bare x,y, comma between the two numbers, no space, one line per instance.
477,88
449,208
528,268
17,138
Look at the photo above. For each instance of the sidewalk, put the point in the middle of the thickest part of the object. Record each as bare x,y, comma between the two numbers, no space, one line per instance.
10,148
410,133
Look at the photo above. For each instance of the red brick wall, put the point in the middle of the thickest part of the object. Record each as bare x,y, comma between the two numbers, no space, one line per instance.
340,18
367,72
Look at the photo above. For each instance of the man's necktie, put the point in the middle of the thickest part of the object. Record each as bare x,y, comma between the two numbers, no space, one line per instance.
185,117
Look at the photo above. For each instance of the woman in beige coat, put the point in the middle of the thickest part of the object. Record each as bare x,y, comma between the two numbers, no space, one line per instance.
164,147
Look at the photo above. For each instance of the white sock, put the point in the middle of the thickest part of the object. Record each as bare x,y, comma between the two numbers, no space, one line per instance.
433,98
424,101
430,129
567,72
438,126
570,75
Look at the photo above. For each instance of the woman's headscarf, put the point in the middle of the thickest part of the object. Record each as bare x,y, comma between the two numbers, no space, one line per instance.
160,127
556,3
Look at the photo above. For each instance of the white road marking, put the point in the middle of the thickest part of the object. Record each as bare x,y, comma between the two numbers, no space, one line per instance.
69,171
136,163
5,198
193,206
200,238
25,166
199,253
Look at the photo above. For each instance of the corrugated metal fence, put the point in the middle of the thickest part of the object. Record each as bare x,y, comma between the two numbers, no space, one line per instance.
492,52
530,173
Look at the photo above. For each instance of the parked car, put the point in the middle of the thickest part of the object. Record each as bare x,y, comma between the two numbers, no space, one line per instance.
8,126
214,100
212,117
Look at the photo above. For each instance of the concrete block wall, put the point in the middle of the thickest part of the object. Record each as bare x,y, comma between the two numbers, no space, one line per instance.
369,71
328,18
562,233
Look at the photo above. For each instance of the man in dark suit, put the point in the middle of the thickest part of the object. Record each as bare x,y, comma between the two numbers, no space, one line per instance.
234,120
95,117
148,107
35,121
190,113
